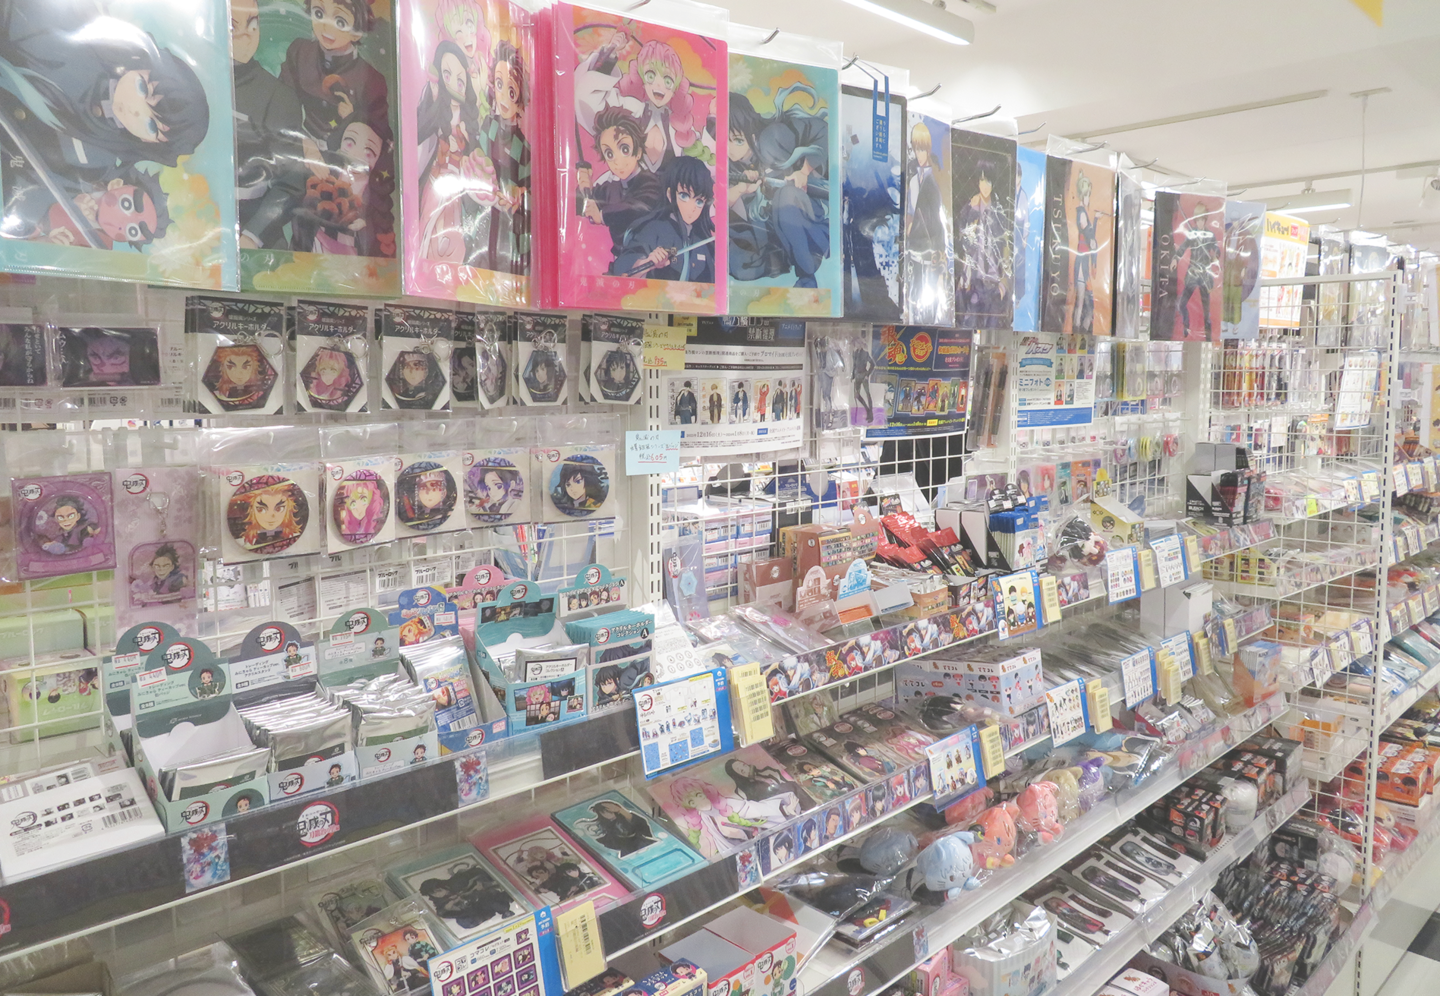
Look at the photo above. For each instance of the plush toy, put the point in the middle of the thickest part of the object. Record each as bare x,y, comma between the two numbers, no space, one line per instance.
995,836
964,810
887,850
1067,792
948,863
1092,783
1040,810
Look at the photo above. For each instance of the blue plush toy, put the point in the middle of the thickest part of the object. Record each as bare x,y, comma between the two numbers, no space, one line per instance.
947,864
887,850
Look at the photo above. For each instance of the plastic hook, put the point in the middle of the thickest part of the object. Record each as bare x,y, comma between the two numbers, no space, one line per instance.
975,117
770,37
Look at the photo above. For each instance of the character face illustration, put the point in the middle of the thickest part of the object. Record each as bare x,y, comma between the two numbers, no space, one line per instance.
495,489
414,369
270,509
660,83
333,24
126,214
453,75
507,91
244,29
622,153
109,357
985,187
328,365
242,804
358,502
161,565
739,147
133,104
241,366
361,146
575,486
431,493
67,515
690,204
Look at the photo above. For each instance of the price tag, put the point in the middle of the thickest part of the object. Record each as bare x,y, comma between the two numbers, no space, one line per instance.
1232,637
1179,649
1370,485
1137,678
1202,653
1050,598
1147,570
1098,697
1169,560
1415,472
1430,599
1121,574
1400,479
1361,639
1193,558
1067,711
992,751
1170,682
1339,652
581,955
663,349
1312,505
751,703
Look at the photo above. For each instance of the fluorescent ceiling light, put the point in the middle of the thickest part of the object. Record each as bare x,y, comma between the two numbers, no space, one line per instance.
1214,112
927,18
1312,200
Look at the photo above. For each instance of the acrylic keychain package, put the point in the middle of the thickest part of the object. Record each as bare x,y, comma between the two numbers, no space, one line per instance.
467,82
158,506
23,350
929,215
360,490
395,946
415,345
498,479
142,192
872,111
266,493
785,206
540,360
576,482
429,479
315,161
463,362
237,352
332,356
612,360
493,356
635,219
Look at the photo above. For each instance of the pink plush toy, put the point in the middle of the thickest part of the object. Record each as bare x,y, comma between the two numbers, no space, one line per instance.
995,836
1040,810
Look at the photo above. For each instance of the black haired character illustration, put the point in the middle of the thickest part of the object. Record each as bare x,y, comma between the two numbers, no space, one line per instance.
425,495
544,374
468,895
607,685
779,187
676,240
491,370
981,235
618,828
95,357
415,379
270,168
502,239
75,522
580,485
449,125
626,191
616,374
686,408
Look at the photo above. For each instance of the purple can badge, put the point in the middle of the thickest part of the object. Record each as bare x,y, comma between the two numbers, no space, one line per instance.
63,525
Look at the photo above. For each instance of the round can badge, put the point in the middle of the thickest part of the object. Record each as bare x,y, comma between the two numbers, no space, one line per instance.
425,495
494,489
64,522
579,485
267,514
361,506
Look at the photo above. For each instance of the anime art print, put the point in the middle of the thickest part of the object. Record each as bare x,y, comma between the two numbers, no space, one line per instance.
1187,271
873,146
415,346
460,889
820,779
206,856
315,164
63,525
929,245
1130,253
723,805
332,347
22,356
642,219
495,489
632,845
1244,235
238,350
360,502
109,357
427,493
1028,270
540,374
983,171
395,947
267,511
115,147
576,481
157,533
1079,247
546,865
784,205
467,78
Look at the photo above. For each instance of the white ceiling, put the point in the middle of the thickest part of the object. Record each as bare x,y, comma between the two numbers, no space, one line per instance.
1077,67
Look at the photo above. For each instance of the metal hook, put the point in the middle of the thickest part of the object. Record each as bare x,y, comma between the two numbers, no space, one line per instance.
1146,165
769,38
928,93
1089,148
1032,131
853,59
976,117
637,6
1232,193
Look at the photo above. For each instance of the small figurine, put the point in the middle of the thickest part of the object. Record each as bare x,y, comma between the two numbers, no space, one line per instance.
948,864
887,850
1040,810
995,836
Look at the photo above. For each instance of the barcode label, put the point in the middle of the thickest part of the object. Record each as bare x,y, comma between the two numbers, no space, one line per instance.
387,579
124,816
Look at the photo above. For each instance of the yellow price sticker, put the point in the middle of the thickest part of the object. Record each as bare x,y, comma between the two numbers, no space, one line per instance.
1232,636
1050,598
1312,505
1202,654
664,347
1099,702
1192,555
1147,570
992,751
582,956
1170,682
750,702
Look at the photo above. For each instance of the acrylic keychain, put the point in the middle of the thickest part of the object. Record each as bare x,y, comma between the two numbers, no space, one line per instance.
332,346
155,512
540,373
415,346
463,363
63,524
492,359
617,360
238,351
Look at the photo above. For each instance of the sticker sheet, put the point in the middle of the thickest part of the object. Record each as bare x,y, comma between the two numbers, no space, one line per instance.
332,347
238,351
415,345
427,493
156,545
641,220
467,96
360,499
315,162
141,192
785,206
268,510
577,482
63,524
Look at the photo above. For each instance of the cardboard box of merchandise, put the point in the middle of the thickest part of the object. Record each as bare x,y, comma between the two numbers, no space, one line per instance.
771,944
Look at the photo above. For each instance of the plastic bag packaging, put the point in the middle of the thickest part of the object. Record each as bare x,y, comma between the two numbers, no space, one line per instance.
213,970
62,507
469,214
1130,250
430,477
929,215
360,484
395,946
278,948
499,484
330,976
415,347
1077,293
873,113
236,350
983,176
265,495
1011,954
1186,264
335,357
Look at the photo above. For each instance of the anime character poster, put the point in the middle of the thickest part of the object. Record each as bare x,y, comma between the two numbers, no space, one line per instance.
641,217
315,176
466,124
1187,272
724,804
1029,238
783,141
115,142
1130,251
983,174
873,147
929,243
1244,231
1079,247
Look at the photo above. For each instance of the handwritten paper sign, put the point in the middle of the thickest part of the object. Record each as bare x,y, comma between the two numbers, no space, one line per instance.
652,452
